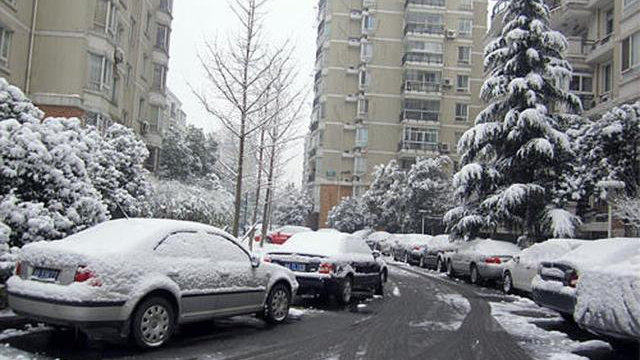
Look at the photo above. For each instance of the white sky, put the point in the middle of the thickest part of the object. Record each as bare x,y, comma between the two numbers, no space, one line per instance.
197,20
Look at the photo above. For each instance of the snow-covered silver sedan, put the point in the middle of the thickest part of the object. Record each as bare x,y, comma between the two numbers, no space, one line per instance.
481,259
143,277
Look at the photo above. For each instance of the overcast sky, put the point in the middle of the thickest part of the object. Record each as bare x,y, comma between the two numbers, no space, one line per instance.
196,20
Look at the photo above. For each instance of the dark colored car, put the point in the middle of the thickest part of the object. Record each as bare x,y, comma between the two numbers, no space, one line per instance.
331,263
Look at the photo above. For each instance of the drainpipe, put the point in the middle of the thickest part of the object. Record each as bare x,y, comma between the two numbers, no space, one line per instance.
32,36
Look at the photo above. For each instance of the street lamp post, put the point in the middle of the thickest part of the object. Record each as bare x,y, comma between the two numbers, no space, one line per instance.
423,214
610,186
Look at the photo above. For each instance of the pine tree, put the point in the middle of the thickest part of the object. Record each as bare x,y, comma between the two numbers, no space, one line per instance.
187,156
293,208
429,192
376,195
348,216
515,154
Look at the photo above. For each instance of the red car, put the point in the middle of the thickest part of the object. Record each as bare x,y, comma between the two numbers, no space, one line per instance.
281,235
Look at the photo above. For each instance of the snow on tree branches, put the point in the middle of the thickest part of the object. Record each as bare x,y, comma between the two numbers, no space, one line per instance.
348,216
513,156
293,208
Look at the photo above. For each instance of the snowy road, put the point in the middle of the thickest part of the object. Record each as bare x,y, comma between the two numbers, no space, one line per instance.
423,315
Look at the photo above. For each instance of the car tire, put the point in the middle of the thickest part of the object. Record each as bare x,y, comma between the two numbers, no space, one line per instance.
450,272
507,283
345,290
276,308
439,266
380,285
474,275
153,323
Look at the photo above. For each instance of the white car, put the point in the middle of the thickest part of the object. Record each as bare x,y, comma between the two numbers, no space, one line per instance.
480,259
608,298
379,240
434,253
143,277
520,270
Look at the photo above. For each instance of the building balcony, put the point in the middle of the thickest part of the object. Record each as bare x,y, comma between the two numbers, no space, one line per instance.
420,115
601,49
424,3
577,48
418,87
422,59
424,29
414,149
568,14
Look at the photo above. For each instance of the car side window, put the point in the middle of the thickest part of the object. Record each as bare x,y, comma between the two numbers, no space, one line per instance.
183,244
221,249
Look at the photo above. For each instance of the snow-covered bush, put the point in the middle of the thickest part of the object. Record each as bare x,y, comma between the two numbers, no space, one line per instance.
374,199
206,202
514,157
348,216
293,207
187,155
429,192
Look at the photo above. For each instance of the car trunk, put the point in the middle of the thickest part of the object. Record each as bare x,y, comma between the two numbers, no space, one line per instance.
297,262
56,266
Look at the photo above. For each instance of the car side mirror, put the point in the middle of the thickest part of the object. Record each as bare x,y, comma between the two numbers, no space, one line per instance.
376,254
255,261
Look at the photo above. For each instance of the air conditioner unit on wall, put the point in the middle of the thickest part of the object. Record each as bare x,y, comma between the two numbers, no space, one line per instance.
447,82
450,34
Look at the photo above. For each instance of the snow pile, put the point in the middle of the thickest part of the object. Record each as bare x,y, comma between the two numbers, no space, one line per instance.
608,297
442,243
548,251
458,307
488,247
523,319
595,254
326,244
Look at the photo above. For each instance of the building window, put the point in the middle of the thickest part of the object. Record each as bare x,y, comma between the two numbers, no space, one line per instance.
105,17
606,78
159,77
464,54
145,66
424,23
362,137
421,110
462,83
631,51
365,78
424,52
5,45
363,106
462,112
465,27
147,24
366,52
141,117
581,83
359,165
162,37
100,74
368,22
154,118
420,139
629,2
132,31
166,5
608,23
422,81
99,121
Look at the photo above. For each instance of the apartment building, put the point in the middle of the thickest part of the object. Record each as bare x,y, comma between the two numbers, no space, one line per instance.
395,79
175,118
103,61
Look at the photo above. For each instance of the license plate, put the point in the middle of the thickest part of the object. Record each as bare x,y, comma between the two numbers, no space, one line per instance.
296,267
45,274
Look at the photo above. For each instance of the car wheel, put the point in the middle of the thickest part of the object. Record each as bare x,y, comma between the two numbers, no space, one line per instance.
380,286
153,323
507,283
475,275
344,291
450,271
277,305
439,267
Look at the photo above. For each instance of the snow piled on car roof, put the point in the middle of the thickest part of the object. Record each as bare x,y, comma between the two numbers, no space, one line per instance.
317,243
595,254
549,250
494,247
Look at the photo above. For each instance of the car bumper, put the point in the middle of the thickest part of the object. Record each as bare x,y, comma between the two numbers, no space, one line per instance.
490,271
562,303
80,313
316,285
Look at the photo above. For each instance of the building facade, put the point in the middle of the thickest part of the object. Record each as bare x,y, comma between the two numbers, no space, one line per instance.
175,118
395,79
103,61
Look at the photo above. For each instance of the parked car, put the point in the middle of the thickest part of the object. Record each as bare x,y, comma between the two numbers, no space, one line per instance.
281,235
411,248
144,277
555,285
399,246
336,264
434,252
480,259
379,240
520,271
608,298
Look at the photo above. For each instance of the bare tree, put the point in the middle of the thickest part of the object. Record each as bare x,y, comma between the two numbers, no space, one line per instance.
236,71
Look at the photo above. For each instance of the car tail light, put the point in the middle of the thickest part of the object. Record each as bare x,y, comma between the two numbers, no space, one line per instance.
326,268
83,275
417,248
573,279
18,268
493,260
257,238
266,259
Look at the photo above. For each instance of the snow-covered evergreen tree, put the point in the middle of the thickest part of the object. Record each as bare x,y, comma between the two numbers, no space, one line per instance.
293,207
348,216
515,154
429,192
395,203
374,198
188,155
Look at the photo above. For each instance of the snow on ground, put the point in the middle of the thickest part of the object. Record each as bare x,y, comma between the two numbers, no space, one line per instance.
459,308
9,353
396,291
297,313
524,320
28,329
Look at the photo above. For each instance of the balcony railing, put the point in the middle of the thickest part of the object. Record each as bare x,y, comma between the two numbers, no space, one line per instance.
434,29
417,146
420,115
421,87
423,58
424,2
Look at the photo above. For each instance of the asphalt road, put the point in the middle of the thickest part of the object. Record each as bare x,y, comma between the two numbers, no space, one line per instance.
420,317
